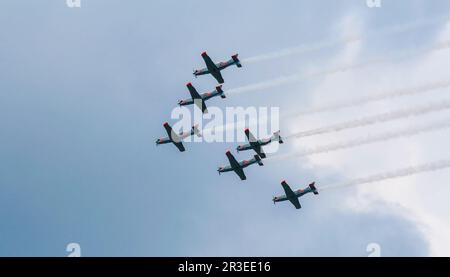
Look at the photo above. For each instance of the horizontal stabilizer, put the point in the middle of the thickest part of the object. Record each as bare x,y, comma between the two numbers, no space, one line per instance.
236,60
220,91
258,160
277,137
195,131
313,188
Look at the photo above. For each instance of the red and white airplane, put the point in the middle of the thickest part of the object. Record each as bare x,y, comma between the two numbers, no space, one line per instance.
215,68
177,139
199,99
239,166
293,196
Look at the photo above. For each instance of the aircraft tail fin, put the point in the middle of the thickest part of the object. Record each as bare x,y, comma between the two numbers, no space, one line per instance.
220,91
313,188
236,60
258,160
277,137
195,131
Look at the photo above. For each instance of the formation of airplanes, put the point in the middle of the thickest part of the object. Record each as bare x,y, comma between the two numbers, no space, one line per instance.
254,144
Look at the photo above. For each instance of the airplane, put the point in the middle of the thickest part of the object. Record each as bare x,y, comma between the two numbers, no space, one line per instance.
239,166
214,69
293,196
199,99
177,139
256,144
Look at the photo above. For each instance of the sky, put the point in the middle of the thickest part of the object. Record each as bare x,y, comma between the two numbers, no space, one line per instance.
84,93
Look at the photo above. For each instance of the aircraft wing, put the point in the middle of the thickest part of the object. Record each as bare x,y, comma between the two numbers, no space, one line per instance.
171,133
218,76
232,160
197,98
255,146
240,173
201,105
291,195
209,63
194,93
235,165
295,202
179,145
212,68
174,137
250,136
259,151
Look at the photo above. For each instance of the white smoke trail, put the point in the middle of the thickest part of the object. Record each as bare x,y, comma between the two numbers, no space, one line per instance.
370,120
298,77
301,77
304,49
368,140
424,88
375,97
301,49
402,172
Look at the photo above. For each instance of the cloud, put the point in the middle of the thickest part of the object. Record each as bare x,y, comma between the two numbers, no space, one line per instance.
346,38
344,65
379,118
422,197
360,141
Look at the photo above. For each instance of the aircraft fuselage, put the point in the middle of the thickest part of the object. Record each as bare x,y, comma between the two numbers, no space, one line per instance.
215,68
298,193
179,138
242,164
251,145
205,96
